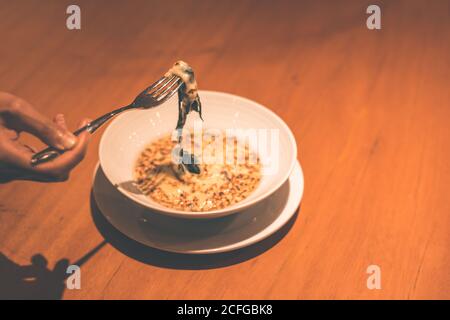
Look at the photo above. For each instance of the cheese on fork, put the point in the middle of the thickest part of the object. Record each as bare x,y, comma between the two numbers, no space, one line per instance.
188,98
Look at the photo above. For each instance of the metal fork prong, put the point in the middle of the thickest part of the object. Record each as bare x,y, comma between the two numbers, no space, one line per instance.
170,91
163,85
155,84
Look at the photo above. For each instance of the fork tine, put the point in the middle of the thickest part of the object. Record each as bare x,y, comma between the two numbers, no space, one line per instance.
155,84
163,85
169,92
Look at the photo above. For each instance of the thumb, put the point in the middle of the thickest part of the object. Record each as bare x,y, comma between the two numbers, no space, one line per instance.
56,136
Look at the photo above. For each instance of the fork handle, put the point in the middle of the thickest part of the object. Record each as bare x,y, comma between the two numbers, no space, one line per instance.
51,152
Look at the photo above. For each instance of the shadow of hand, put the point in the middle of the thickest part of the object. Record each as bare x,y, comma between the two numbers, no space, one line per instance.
33,281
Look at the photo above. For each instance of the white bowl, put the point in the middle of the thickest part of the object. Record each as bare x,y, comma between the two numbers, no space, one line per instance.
128,134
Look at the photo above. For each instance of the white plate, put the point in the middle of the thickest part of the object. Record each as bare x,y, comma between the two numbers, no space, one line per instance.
196,236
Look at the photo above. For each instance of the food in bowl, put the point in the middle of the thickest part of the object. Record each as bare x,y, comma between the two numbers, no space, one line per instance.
229,173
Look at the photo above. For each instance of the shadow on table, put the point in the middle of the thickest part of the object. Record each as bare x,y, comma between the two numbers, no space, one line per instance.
33,281
171,260
36,281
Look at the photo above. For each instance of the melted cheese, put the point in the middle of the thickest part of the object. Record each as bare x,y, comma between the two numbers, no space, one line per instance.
185,72
188,100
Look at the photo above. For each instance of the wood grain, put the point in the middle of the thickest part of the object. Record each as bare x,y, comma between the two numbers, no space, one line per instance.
369,109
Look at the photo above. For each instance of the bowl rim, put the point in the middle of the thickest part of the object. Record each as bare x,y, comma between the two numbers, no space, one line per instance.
219,212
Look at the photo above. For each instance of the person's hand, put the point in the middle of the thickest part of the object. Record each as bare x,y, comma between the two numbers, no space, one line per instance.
16,115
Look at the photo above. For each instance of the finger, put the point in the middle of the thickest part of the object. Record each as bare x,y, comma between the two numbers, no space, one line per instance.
57,169
22,116
10,134
15,163
10,173
60,121
25,147
69,159
14,153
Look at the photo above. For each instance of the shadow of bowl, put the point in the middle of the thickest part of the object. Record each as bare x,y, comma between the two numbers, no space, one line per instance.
160,258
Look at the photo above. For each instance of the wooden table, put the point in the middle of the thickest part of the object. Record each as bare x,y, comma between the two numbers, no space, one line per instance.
369,109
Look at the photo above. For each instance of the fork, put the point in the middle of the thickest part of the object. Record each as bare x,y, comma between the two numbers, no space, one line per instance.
153,96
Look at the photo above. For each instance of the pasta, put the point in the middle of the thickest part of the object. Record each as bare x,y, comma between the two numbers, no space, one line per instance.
218,185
